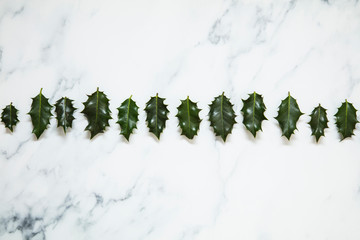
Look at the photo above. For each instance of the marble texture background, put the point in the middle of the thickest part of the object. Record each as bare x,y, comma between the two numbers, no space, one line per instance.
268,188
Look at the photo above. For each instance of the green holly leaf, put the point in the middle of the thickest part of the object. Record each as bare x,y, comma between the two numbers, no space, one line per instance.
40,113
9,117
97,112
253,111
128,117
189,120
346,119
222,116
64,109
156,117
318,122
288,114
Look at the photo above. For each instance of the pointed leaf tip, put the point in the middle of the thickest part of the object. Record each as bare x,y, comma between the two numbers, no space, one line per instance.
40,114
188,116
222,116
253,112
127,117
346,120
96,110
64,110
318,122
288,115
9,117
156,115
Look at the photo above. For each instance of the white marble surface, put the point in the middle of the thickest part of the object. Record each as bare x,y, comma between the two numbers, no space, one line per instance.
70,187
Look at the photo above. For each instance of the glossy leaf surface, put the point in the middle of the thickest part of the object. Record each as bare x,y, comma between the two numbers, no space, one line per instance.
222,116
64,110
9,117
97,112
156,112
253,111
128,117
318,122
346,119
188,116
40,114
288,115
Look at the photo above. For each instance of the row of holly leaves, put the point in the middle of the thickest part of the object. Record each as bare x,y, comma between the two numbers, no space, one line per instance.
221,115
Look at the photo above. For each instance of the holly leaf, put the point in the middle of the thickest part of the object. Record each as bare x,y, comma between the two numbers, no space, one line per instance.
9,117
156,117
253,111
189,120
40,113
222,116
97,112
64,109
346,119
318,122
288,115
128,117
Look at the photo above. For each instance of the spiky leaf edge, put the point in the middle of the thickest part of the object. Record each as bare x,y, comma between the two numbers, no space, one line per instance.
127,109
231,113
107,115
355,121
44,108
157,129
9,117
256,104
318,122
289,99
64,110
189,117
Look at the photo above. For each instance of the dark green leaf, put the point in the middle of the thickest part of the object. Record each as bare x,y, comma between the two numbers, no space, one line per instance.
346,119
222,116
40,114
253,111
318,122
288,114
97,112
128,117
64,113
156,117
9,117
189,120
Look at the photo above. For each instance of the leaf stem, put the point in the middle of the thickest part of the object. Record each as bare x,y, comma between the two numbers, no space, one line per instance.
127,114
